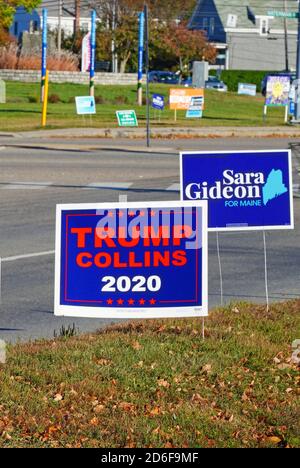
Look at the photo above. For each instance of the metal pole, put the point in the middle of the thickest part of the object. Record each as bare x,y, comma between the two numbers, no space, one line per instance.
45,102
77,17
113,42
141,56
220,270
60,4
93,53
297,104
44,53
266,271
147,73
286,46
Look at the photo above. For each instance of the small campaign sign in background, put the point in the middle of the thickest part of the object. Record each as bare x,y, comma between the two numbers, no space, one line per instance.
136,260
247,89
196,107
127,118
277,92
244,189
158,102
85,105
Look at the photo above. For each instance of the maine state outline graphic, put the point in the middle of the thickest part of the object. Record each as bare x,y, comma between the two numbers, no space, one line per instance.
274,187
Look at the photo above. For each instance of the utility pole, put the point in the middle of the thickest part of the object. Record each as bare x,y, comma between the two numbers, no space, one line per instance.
60,6
113,42
77,17
286,45
297,103
146,13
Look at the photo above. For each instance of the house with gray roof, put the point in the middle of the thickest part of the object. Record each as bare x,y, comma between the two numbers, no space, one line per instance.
250,34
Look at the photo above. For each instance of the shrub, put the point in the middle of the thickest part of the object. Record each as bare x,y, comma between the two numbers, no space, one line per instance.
10,59
54,99
121,100
33,99
232,78
100,100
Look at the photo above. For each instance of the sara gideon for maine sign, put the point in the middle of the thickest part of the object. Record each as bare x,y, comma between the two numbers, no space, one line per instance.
244,189
127,260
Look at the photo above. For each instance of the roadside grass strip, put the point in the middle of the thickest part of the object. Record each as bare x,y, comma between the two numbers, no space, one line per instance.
158,384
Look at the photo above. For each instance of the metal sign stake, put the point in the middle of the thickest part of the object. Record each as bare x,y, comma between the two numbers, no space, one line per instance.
266,271
220,269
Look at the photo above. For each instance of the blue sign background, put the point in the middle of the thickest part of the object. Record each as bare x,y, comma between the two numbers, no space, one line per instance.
209,167
82,286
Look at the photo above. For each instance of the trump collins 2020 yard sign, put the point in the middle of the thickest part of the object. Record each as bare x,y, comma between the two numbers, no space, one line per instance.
133,260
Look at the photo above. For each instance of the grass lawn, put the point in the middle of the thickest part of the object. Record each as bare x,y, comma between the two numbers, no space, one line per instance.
157,384
23,110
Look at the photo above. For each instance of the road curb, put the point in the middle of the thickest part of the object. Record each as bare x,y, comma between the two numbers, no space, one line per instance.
159,133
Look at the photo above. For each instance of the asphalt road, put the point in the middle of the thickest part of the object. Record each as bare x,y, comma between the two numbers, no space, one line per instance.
33,181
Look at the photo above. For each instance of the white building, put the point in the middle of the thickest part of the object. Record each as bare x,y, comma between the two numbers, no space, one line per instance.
25,21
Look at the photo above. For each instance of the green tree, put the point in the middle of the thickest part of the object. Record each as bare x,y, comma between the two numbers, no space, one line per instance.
119,25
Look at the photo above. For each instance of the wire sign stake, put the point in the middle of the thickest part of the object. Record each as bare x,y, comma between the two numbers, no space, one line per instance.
266,271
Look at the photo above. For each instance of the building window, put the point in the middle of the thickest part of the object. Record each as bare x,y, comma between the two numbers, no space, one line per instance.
33,26
16,28
205,24
85,26
264,26
212,26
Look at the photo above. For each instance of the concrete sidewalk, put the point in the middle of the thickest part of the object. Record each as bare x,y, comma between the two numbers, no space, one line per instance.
159,132
134,139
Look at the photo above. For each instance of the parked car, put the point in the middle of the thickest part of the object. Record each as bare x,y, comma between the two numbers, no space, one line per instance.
214,83
163,77
187,82
292,76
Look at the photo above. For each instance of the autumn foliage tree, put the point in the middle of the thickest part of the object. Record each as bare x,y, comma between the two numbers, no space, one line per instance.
119,24
186,45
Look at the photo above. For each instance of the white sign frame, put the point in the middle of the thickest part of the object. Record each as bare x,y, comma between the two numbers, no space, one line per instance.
141,313
247,228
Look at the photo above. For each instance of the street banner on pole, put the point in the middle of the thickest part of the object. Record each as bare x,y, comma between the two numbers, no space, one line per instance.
126,260
245,190
141,56
44,52
86,53
93,53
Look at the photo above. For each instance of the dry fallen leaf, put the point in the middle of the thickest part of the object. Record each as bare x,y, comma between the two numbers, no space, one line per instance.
136,345
94,421
274,440
155,411
58,397
98,409
163,383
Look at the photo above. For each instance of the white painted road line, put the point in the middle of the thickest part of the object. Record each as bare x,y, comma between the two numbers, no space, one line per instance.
26,185
173,188
24,256
113,185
